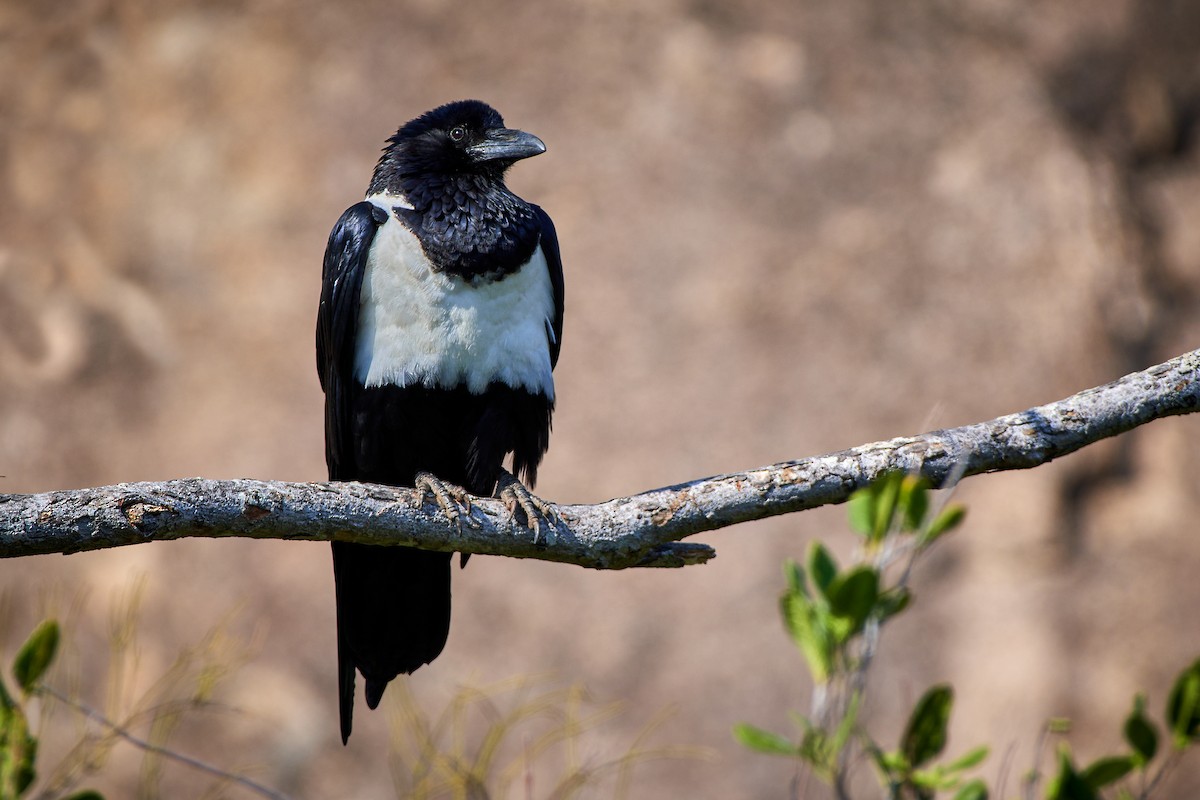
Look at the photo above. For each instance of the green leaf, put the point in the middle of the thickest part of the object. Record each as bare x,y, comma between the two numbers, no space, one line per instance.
924,783
1140,733
972,758
25,776
925,736
887,493
1058,725
852,596
893,765
914,501
1110,769
974,790
861,510
821,566
18,751
873,507
795,577
35,655
1183,706
6,700
1067,784
949,519
810,633
892,602
762,741
930,779
815,749
796,610
920,792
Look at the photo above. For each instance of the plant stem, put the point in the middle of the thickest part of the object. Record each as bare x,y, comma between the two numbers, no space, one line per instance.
149,747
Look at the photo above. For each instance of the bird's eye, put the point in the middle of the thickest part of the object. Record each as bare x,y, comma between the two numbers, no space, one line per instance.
458,133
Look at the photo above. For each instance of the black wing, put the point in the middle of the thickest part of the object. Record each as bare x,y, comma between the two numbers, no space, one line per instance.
549,243
337,326
337,323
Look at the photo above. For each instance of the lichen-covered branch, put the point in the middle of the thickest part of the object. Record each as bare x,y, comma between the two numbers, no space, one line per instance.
643,530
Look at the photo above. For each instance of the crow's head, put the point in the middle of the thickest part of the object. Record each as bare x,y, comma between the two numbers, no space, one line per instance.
462,138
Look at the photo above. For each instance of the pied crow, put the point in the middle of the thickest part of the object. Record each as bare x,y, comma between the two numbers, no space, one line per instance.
439,326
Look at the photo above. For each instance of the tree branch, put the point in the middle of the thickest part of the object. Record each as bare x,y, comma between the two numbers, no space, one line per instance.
639,531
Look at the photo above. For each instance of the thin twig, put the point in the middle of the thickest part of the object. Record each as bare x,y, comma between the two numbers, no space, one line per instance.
95,715
1006,763
1168,764
1035,773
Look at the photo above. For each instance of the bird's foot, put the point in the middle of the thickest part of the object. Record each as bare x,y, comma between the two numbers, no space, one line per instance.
536,510
454,501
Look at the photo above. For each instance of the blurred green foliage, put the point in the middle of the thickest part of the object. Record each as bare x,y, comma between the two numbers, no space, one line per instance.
834,616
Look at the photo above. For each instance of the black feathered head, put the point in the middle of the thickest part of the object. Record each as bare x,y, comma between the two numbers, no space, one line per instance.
464,137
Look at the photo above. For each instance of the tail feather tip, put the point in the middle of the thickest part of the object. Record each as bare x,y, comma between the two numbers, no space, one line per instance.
374,692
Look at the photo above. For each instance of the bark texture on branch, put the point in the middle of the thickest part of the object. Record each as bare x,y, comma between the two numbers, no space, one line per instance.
643,530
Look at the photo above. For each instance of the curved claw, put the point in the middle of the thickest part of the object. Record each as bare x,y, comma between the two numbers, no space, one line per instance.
515,495
454,501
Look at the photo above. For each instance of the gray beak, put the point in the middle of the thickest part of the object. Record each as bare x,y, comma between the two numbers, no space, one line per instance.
506,144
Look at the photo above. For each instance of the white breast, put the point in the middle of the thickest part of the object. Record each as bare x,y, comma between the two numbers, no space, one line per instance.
419,327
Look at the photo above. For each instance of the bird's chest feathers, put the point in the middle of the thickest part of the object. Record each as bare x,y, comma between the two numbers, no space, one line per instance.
468,226
421,326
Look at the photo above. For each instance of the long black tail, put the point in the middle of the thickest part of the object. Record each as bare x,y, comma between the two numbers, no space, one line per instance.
393,615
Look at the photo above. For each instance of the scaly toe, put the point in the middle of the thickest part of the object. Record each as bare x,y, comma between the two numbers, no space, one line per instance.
536,510
454,501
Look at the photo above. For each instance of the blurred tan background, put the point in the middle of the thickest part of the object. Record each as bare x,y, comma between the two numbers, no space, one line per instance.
787,229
